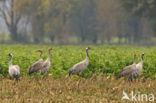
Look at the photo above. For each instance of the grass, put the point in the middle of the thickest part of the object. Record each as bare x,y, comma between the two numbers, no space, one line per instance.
98,89
97,84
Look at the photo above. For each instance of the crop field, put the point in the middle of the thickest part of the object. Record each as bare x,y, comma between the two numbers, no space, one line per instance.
98,82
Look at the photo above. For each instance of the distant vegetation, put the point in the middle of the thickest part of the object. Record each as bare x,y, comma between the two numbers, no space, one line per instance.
80,21
107,60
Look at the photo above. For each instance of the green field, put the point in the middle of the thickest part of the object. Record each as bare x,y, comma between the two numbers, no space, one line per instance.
97,84
103,59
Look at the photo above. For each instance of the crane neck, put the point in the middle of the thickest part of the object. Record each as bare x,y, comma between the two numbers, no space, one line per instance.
134,60
41,55
142,60
87,54
49,54
10,62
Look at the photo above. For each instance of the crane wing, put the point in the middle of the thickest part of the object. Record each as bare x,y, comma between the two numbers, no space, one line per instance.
127,70
36,66
79,67
45,67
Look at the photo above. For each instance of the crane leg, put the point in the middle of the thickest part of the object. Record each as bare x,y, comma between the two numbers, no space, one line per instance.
131,78
135,79
80,74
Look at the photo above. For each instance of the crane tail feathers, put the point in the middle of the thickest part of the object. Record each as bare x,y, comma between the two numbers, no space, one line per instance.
120,75
42,73
30,71
70,72
17,77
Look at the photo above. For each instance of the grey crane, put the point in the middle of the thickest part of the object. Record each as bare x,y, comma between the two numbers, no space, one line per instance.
79,67
138,69
127,71
14,70
37,65
46,65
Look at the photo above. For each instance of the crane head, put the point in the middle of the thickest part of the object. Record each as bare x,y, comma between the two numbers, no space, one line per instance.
50,49
142,54
10,54
39,51
88,48
134,55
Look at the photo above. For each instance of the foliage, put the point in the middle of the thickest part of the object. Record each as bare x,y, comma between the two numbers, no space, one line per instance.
89,21
141,9
11,18
49,17
112,19
103,59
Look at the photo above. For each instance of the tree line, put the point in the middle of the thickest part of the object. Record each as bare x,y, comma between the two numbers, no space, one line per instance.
82,21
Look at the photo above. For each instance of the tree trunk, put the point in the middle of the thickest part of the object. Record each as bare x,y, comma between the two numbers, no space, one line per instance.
52,38
13,33
95,39
12,23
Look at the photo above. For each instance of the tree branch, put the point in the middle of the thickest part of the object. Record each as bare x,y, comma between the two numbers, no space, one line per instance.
18,17
5,19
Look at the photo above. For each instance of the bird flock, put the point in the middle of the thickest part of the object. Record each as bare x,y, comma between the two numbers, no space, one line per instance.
131,71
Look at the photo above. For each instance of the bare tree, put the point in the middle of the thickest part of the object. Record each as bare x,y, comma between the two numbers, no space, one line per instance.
10,17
